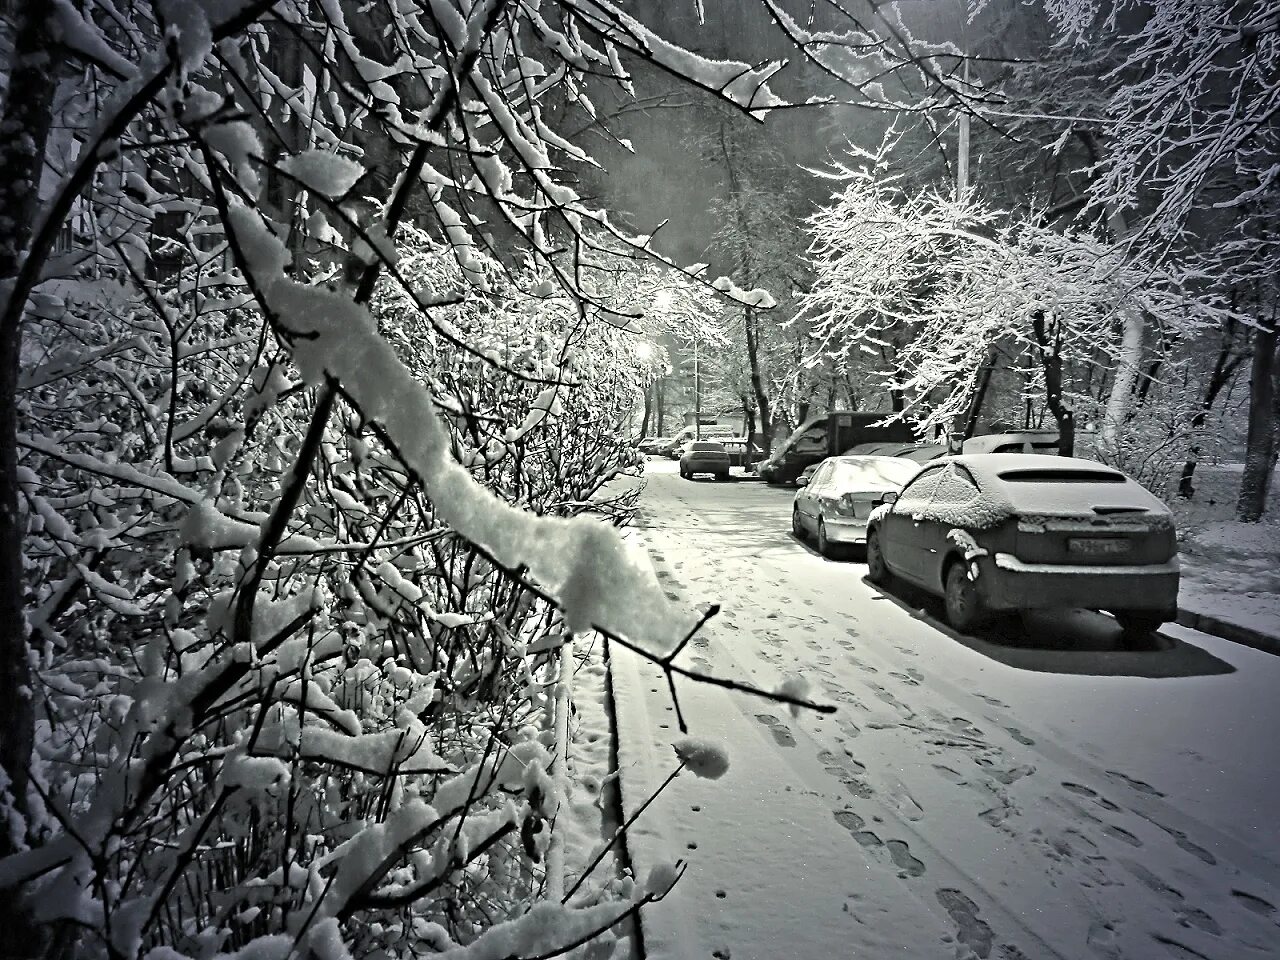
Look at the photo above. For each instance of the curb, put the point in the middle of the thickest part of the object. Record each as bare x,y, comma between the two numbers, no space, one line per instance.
1247,636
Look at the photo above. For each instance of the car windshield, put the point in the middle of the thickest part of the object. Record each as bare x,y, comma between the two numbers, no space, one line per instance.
873,472
1062,476
707,447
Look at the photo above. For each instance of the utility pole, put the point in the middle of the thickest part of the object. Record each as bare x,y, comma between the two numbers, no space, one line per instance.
697,394
962,160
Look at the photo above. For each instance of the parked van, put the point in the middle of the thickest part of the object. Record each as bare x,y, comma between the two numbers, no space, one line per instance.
827,435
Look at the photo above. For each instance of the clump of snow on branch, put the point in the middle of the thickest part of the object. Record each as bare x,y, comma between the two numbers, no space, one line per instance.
702,757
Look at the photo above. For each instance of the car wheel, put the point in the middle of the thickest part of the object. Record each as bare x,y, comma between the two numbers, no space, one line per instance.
877,569
686,475
964,606
825,546
1138,624
797,525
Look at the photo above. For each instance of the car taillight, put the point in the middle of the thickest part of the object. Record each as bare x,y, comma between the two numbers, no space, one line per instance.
845,506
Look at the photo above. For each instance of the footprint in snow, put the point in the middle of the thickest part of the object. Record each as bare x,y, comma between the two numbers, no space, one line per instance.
1139,785
904,678
901,856
1101,939
846,770
1082,791
906,804
892,701
856,827
1183,841
1257,905
963,727
781,733
1014,774
1020,736
971,930
1120,833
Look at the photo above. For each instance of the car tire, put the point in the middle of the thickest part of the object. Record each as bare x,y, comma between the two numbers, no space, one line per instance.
877,570
797,525
963,604
685,475
825,546
1138,624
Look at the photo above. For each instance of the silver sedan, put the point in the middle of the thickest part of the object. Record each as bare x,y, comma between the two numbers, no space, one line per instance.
835,503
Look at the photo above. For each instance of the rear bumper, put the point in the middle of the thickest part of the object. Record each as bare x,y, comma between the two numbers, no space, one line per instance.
845,529
704,466
1006,583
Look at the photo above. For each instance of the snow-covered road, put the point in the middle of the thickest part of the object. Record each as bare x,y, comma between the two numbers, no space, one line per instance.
1029,793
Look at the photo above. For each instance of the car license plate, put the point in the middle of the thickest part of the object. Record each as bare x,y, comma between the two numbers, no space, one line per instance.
1098,546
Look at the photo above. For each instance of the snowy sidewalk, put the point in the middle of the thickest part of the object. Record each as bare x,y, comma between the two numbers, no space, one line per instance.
1231,583
1040,796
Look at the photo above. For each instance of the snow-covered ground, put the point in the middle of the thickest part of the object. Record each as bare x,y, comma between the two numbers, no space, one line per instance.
1031,792
1230,570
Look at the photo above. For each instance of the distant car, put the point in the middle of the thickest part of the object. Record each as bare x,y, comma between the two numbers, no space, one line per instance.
879,448
919,452
924,452
705,456
834,505
1017,441
742,452
652,445
1011,532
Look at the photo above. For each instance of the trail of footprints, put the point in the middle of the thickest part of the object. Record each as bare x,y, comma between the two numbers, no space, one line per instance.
992,772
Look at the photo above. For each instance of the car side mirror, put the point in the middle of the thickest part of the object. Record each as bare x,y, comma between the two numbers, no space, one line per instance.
802,481
889,496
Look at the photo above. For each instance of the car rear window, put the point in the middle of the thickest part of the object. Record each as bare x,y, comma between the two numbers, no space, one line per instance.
1062,476
708,447
874,472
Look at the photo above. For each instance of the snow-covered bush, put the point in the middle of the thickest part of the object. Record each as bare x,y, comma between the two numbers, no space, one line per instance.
299,492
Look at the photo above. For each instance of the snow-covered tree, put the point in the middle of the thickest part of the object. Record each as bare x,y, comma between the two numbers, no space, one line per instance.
937,288
1186,152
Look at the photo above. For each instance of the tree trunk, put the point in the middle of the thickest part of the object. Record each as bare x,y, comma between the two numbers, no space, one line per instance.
1223,368
1051,360
1120,402
660,404
757,379
1260,446
26,121
648,409
748,416
979,393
